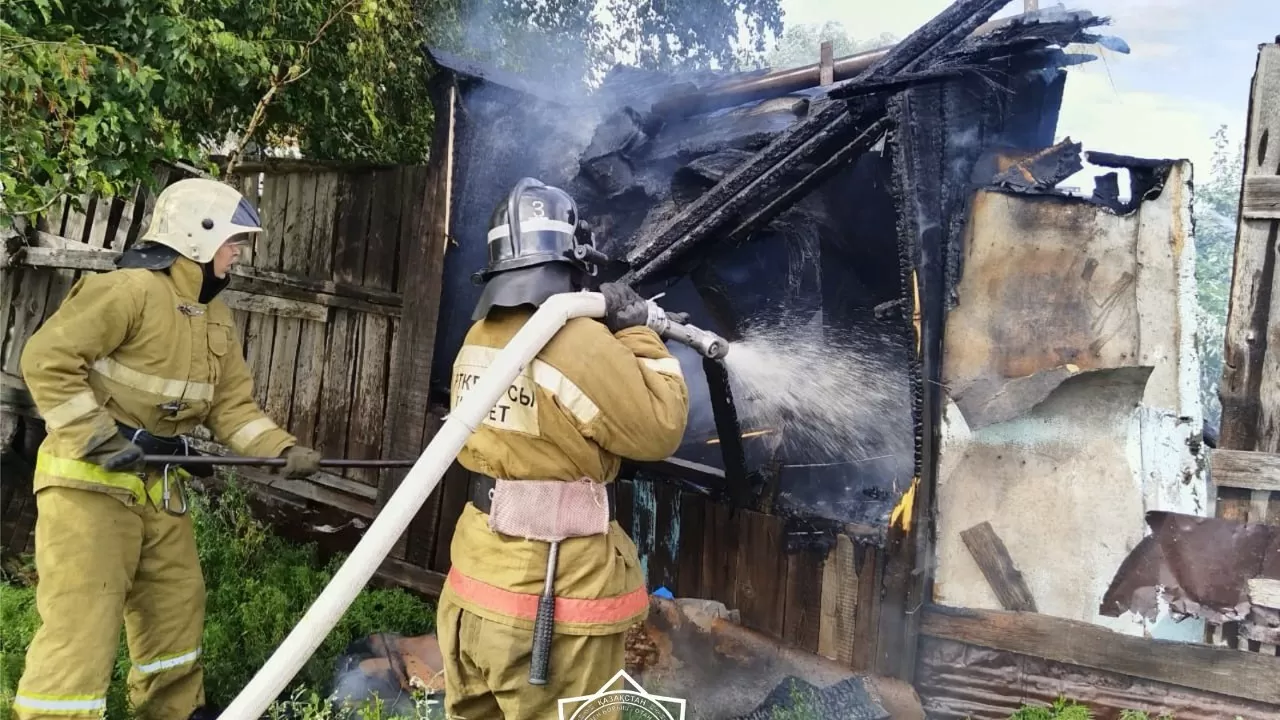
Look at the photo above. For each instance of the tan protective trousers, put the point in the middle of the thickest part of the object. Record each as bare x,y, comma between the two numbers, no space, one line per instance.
99,561
486,669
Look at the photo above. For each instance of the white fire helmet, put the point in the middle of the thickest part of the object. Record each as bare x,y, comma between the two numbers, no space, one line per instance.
196,216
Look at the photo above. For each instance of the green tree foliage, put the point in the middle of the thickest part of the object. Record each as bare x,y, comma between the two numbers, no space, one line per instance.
96,91
77,114
555,41
799,45
1217,204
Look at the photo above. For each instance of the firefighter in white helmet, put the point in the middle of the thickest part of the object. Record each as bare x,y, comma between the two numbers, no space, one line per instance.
133,361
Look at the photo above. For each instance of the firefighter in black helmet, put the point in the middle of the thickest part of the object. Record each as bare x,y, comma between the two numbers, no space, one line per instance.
546,457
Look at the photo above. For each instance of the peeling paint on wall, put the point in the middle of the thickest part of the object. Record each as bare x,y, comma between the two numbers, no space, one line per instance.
1072,376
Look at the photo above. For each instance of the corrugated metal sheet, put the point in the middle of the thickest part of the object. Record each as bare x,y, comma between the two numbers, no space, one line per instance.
963,682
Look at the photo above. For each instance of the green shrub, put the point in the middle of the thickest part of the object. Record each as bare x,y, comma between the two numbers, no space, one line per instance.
258,587
1062,709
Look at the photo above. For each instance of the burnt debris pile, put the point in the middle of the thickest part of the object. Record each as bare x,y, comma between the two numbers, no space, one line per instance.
770,207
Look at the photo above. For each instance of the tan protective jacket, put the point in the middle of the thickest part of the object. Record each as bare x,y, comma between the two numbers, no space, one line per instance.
136,346
589,399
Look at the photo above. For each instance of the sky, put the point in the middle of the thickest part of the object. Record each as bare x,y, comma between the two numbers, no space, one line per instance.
1189,69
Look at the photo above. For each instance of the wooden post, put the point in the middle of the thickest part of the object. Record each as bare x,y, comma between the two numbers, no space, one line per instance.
1250,386
826,63
417,332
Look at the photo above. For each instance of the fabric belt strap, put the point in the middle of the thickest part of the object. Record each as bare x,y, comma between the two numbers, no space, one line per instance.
482,488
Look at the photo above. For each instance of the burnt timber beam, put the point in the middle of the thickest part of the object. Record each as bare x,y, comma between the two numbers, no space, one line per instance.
704,479
793,192
785,191
707,216
717,206
784,81
729,431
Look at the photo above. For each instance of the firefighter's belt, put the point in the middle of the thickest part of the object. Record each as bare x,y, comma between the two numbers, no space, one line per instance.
158,445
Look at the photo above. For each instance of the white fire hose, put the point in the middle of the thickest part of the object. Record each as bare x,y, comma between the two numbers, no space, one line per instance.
403,505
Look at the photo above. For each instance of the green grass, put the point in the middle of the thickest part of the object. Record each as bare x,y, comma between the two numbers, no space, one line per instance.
1064,709
259,586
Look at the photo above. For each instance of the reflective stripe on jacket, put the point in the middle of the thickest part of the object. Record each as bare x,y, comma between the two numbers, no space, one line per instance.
135,346
588,399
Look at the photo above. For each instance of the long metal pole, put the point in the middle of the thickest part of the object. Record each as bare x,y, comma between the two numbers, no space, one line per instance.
267,462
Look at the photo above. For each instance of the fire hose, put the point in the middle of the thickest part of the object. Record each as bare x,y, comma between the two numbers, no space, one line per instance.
421,480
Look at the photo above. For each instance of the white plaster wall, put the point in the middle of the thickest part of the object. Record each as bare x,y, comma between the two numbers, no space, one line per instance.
1066,483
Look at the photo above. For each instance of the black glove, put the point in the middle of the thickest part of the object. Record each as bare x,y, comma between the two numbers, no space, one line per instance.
300,462
678,318
623,307
117,455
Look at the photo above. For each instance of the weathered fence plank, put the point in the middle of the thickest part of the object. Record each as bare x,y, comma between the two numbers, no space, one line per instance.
29,306
365,439
838,609
340,359
1245,469
309,377
803,613
421,237
320,260
355,197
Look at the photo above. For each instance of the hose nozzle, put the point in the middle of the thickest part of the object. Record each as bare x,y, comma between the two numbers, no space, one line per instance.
707,343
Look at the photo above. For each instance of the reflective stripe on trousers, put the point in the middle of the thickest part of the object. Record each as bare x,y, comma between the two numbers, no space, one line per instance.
167,663
61,704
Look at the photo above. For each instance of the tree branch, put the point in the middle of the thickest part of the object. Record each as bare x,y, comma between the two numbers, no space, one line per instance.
279,80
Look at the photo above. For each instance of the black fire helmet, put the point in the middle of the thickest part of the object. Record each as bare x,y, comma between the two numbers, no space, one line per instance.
553,250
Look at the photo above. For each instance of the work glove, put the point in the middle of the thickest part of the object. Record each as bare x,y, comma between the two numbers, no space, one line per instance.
623,307
117,454
300,462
